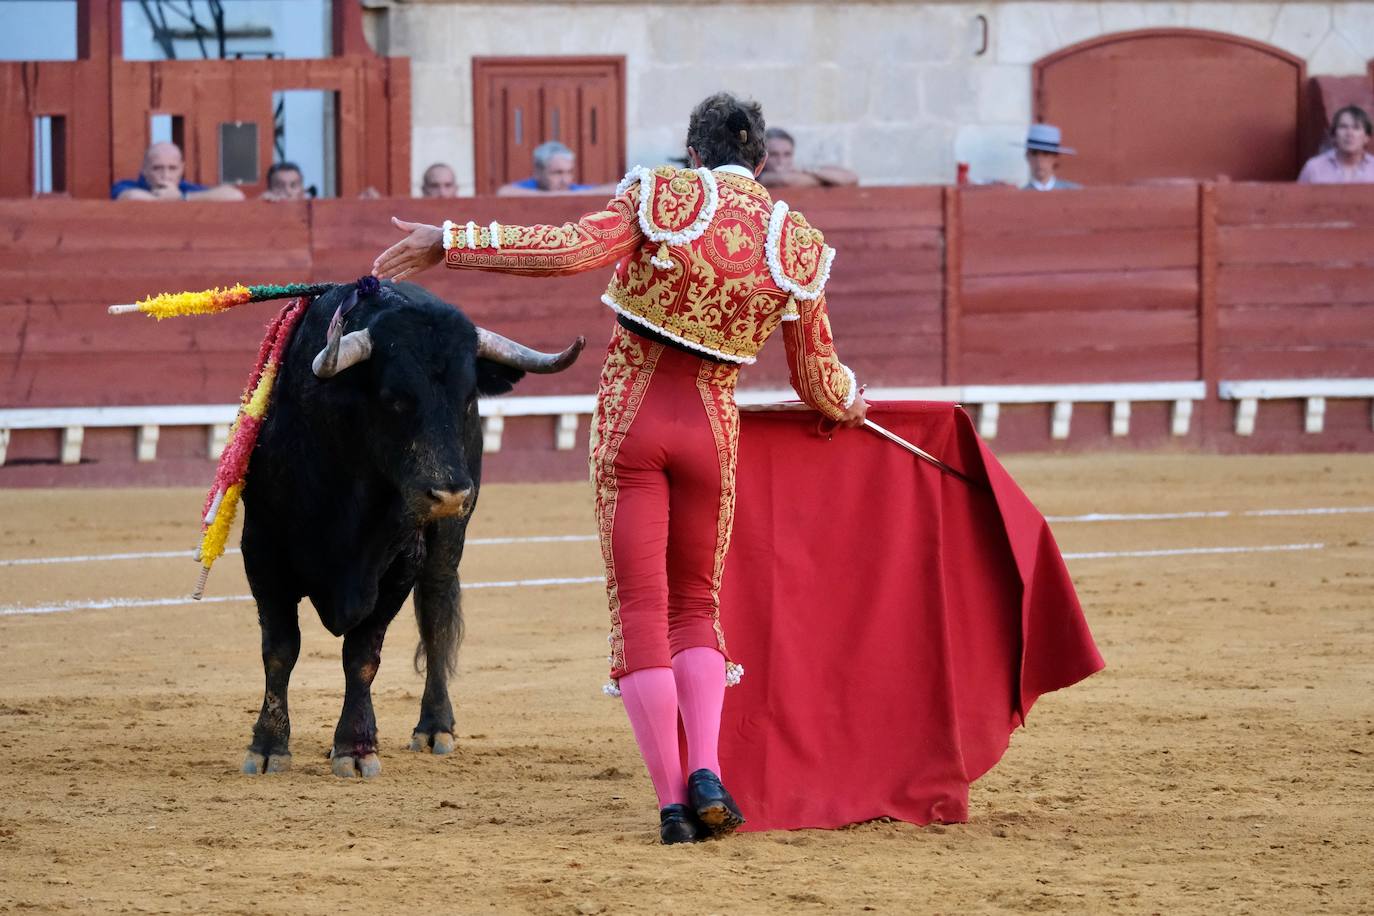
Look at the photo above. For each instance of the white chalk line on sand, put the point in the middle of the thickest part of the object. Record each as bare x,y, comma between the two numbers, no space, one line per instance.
111,603
188,554
1220,513
582,538
1189,551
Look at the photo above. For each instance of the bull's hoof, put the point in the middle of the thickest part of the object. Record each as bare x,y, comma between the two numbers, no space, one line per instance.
347,767
438,743
256,764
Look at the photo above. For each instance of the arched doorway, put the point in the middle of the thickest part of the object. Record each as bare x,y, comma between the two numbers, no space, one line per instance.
1174,103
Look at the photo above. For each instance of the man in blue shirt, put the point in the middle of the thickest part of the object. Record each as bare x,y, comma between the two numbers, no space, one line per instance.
553,172
161,179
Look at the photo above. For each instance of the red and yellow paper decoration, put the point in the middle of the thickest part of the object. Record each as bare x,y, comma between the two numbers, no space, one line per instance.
222,502
211,301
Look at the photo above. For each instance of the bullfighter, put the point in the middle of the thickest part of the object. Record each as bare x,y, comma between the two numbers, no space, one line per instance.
707,267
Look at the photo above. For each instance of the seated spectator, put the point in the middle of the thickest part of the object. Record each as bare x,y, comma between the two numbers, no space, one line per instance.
161,179
553,172
1347,162
439,181
780,168
1043,152
285,182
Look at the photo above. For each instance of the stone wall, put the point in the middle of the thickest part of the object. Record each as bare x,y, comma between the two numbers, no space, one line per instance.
895,90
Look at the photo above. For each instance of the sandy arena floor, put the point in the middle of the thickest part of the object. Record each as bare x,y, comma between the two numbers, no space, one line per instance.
1224,762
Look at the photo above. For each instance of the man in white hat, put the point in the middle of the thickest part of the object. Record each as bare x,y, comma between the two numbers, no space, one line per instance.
1042,152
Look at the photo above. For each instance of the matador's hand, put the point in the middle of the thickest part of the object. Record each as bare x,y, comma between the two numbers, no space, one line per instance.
420,250
854,416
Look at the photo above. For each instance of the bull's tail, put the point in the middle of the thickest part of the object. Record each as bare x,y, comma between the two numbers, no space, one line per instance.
439,617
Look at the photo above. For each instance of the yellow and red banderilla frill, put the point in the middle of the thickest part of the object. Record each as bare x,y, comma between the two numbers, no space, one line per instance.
221,503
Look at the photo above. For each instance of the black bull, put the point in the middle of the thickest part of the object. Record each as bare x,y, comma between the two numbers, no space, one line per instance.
360,489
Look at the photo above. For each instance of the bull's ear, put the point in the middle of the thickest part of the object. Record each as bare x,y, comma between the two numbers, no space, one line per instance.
496,378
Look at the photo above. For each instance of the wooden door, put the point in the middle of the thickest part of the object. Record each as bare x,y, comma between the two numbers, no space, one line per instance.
1174,103
521,102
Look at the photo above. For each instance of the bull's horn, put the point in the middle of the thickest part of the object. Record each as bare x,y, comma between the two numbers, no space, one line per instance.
342,352
503,350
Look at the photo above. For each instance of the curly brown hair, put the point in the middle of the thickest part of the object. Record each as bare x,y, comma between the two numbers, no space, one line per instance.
726,130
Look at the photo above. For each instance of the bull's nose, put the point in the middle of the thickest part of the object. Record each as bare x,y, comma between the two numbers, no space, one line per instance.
451,502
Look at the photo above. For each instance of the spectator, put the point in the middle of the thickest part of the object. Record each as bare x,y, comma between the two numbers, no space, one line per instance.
1043,152
780,168
553,172
285,182
1347,162
161,179
439,181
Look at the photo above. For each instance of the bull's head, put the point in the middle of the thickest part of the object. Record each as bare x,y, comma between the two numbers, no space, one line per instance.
419,366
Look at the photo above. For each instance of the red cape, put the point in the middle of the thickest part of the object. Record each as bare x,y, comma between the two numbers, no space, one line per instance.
895,622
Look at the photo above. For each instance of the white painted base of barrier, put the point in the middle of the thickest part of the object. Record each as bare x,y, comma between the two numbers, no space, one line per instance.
1315,391
567,410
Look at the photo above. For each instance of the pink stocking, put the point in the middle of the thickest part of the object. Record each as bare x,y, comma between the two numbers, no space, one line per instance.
700,676
651,703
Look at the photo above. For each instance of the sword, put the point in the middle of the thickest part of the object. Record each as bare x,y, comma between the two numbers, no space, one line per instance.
885,433
920,453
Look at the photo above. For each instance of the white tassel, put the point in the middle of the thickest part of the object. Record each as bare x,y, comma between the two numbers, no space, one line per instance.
611,689
734,673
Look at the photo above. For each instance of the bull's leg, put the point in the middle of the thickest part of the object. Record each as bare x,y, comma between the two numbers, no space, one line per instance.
439,616
281,645
355,737
436,611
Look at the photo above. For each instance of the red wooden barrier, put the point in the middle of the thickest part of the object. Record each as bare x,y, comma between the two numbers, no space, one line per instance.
930,286
1078,287
1295,280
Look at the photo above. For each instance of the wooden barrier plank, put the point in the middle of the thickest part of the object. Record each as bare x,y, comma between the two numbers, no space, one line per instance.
86,328
1089,291
1000,213
1249,204
158,377
1030,252
1288,326
1295,284
1284,362
1337,246
1011,333
1150,364
90,227
865,208
217,266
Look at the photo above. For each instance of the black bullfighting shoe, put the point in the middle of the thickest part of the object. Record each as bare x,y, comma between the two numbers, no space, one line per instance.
677,824
712,803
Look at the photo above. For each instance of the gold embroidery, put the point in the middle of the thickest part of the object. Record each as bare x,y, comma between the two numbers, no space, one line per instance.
716,382
735,239
801,249
676,200
624,379
719,295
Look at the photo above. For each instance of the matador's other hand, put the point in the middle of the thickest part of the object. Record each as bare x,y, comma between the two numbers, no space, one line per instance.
421,249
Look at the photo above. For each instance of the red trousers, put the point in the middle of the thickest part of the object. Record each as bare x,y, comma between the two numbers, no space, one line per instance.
663,464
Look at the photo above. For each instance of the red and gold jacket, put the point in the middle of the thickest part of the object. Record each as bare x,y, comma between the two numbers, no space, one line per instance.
704,258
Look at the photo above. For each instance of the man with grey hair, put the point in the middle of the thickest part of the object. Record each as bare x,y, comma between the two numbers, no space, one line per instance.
553,172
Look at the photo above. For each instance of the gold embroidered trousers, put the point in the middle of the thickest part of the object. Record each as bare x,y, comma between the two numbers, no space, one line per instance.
663,464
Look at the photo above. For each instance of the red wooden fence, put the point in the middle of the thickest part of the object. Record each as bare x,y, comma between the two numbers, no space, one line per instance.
931,286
